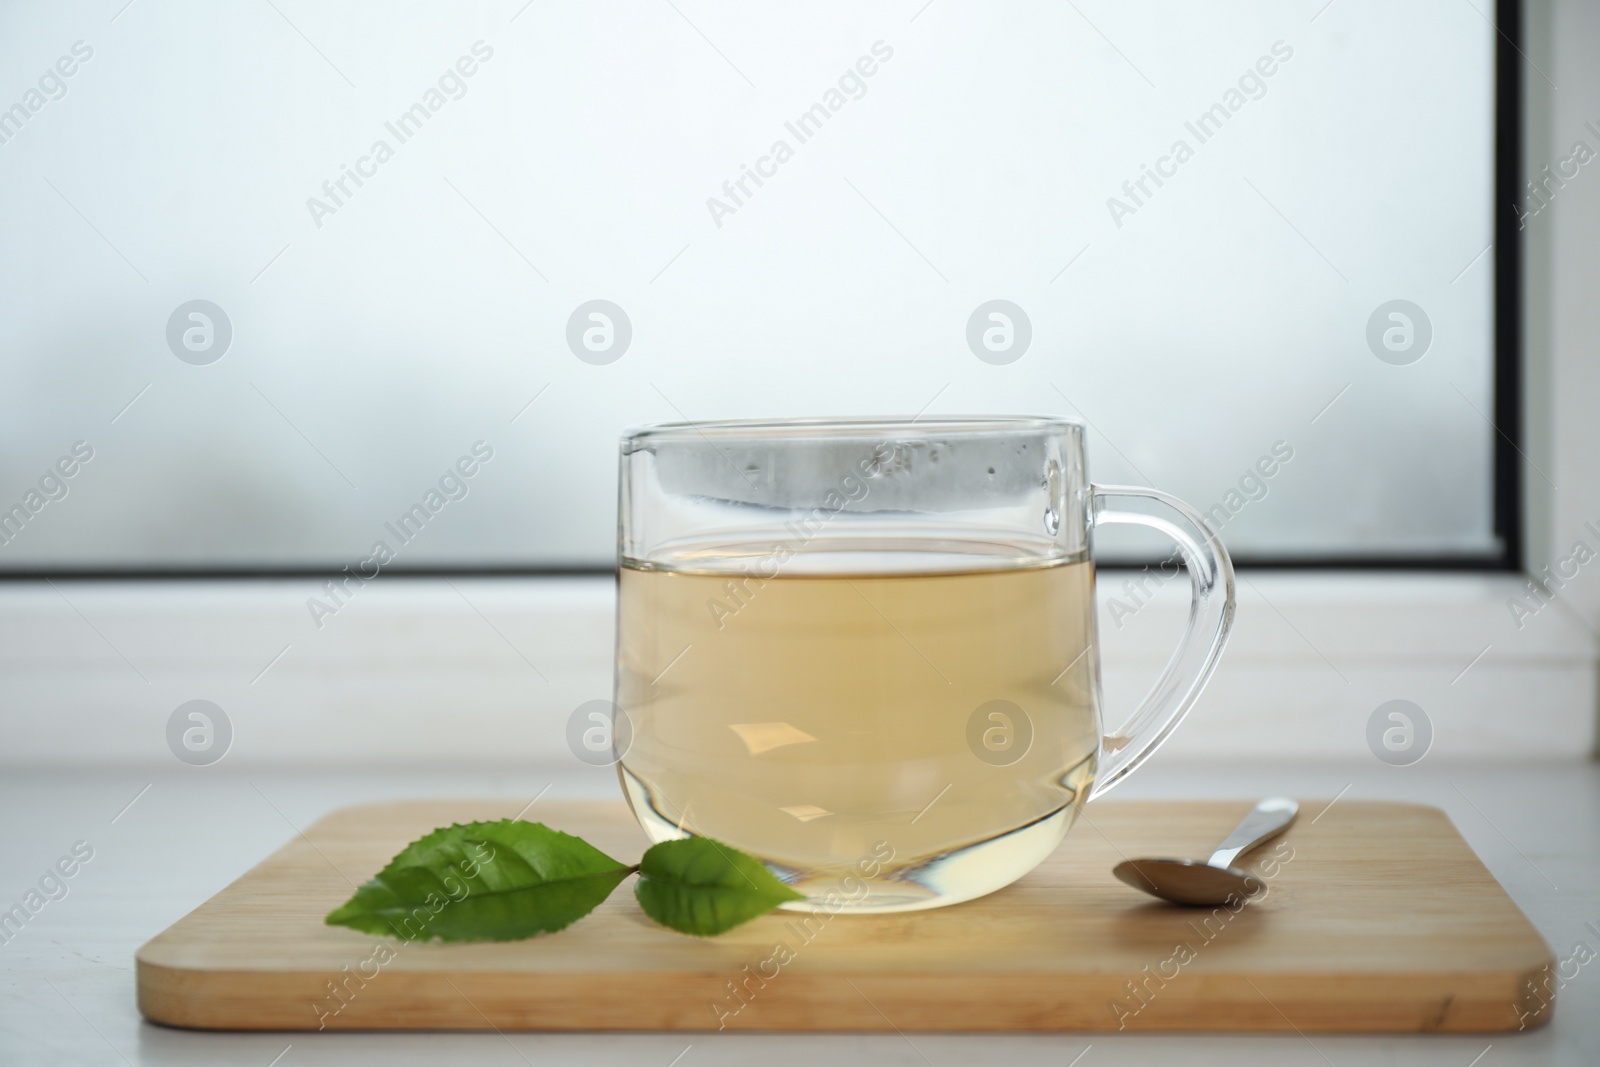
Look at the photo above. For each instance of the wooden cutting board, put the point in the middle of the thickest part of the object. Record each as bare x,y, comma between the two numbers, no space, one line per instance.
1377,917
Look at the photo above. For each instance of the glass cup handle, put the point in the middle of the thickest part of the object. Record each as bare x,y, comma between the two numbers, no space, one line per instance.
1210,619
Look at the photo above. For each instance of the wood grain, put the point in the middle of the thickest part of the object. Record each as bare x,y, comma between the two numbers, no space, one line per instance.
1378,918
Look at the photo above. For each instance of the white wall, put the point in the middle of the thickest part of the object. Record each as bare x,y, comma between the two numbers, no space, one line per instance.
1562,313
484,673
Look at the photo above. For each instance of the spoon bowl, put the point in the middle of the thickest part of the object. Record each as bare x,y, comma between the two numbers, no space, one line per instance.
1188,881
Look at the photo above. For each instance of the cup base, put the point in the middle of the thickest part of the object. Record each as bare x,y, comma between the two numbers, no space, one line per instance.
950,878
932,882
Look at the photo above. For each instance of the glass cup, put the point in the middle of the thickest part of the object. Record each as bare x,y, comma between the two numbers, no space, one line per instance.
864,652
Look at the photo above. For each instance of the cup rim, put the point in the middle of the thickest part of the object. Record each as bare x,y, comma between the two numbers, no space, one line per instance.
850,427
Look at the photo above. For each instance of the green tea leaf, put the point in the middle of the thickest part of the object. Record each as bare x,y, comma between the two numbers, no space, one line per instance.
483,881
703,887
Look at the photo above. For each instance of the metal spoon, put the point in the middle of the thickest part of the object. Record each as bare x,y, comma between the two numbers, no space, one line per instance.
1215,881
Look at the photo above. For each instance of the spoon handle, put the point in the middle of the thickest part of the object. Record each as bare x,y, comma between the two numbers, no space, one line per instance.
1267,819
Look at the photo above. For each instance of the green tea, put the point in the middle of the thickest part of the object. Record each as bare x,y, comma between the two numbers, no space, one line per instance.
813,719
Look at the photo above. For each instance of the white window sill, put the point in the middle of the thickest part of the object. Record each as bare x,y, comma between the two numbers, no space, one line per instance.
484,672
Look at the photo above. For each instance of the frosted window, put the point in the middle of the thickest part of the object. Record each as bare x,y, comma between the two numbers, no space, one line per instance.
398,221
